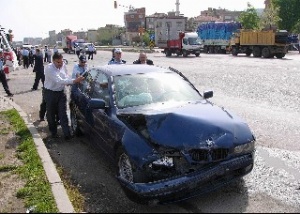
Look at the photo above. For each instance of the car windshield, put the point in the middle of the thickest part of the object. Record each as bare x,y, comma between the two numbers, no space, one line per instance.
142,89
194,41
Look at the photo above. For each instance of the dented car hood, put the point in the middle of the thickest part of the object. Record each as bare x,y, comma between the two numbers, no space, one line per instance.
191,126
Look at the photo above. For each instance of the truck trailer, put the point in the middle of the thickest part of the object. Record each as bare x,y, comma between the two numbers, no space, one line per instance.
266,44
70,42
215,36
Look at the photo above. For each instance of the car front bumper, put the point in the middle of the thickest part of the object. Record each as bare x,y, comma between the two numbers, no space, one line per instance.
190,185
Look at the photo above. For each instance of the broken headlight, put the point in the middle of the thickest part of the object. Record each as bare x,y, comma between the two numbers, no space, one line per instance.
163,162
245,148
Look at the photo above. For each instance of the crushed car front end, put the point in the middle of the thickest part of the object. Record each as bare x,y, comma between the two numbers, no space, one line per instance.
186,182
183,154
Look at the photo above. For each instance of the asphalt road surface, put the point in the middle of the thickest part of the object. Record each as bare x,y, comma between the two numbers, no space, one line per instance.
265,92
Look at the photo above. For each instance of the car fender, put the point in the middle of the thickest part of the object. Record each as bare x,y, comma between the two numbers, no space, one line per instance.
137,148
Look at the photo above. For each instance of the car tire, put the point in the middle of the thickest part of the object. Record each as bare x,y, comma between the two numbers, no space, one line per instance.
75,129
127,170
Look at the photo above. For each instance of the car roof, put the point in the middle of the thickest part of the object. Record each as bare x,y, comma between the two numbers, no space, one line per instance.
126,69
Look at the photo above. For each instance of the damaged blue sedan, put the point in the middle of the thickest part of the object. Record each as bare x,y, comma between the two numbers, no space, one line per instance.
169,142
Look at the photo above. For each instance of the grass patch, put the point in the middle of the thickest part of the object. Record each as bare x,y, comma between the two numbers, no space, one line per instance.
37,190
1,156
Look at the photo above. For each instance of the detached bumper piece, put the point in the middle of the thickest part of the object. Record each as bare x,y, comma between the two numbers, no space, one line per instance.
183,187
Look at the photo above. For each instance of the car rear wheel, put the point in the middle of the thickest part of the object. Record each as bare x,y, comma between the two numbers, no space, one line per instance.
74,123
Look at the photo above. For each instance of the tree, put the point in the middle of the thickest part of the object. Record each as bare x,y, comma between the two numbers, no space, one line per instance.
270,18
249,18
289,14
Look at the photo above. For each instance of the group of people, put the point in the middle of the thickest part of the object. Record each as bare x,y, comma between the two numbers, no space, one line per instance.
117,58
90,50
54,77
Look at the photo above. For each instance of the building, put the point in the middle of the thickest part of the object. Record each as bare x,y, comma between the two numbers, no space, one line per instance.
150,20
221,14
92,35
168,28
81,35
134,21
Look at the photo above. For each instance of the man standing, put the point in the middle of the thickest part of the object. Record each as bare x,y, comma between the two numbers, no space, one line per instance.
3,75
56,79
117,59
143,59
91,51
31,56
46,54
38,69
77,50
25,57
79,68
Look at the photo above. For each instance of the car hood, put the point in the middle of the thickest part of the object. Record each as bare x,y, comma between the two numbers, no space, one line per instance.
189,126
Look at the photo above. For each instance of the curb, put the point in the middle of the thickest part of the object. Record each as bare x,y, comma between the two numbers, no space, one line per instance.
61,197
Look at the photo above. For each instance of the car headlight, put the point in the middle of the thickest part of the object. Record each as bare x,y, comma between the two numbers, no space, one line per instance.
164,161
245,148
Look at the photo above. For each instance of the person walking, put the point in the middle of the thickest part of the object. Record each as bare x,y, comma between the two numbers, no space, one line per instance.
117,58
31,56
49,53
56,78
55,49
25,57
46,54
3,75
91,50
77,50
38,69
143,59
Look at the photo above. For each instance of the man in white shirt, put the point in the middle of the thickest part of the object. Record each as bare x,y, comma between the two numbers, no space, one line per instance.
56,78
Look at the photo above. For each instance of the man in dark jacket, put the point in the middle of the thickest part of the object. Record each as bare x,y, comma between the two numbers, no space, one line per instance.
38,69
143,59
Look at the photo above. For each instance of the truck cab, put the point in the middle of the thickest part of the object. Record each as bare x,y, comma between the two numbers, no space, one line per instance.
191,43
186,44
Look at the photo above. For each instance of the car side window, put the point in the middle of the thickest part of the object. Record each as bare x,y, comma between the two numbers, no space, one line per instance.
101,88
87,86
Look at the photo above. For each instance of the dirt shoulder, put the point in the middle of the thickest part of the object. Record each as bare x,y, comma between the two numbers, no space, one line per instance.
10,182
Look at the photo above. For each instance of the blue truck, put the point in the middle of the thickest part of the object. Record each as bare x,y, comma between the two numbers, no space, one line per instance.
216,36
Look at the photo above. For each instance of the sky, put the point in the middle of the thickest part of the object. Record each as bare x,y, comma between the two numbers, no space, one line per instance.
35,18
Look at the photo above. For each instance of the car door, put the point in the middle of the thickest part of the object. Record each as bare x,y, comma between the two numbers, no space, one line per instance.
105,126
82,97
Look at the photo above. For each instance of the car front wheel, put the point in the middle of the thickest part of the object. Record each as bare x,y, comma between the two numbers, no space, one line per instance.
127,170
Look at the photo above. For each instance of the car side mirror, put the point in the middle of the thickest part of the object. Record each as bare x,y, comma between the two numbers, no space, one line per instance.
96,104
208,94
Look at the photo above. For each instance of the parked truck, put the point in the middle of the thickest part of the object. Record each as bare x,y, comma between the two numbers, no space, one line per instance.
70,42
266,44
215,36
172,38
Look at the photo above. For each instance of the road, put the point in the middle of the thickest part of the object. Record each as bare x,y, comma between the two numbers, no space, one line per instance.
265,92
